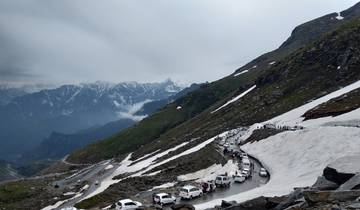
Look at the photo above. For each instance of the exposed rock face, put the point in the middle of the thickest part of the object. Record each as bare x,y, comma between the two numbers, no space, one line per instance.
260,203
183,207
323,184
343,169
334,176
330,196
351,184
295,198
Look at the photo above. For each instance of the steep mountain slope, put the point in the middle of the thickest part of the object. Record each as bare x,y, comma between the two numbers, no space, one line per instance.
70,108
307,74
285,83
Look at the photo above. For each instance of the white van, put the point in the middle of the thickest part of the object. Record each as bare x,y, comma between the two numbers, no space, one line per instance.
164,198
246,163
190,192
223,181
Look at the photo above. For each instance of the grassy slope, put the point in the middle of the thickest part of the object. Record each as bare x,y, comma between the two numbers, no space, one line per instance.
167,121
337,106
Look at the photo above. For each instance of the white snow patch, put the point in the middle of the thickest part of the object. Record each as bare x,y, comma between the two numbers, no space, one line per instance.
240,73
235,99
272,63
117,105
339,17
145,156
245,71
126,167
211,172
59,203
163,186
347,164
109,167
293,117
69,193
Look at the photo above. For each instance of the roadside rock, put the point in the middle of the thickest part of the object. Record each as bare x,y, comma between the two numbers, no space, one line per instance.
183,207
294,198
260,203
330,196
353,206
323,184
333,175
226,204
351,184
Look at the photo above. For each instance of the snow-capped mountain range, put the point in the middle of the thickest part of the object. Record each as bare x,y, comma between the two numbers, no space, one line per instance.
70,108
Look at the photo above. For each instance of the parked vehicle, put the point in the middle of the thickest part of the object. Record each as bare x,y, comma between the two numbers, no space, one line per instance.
246,163
127,204
190,192
263,172
239,178
223,181
244,155
208,187
246,172
163,199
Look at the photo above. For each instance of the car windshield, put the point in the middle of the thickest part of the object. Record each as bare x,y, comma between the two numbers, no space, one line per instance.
130,204
166,196
183,190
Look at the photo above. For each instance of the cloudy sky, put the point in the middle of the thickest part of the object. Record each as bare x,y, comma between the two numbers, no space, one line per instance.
72,41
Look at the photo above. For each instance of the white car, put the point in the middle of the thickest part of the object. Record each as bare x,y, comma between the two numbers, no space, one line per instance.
263,172
127,204
246,172
223,181
239,178
164,198
190,192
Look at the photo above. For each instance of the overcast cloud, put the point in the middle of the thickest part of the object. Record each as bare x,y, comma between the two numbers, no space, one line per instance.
72,41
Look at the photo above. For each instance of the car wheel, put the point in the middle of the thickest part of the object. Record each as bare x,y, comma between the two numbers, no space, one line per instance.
191,197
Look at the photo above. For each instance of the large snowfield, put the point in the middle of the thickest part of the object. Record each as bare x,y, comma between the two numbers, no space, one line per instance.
297,158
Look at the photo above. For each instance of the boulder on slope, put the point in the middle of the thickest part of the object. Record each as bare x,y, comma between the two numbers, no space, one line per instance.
352,184
323,184
342,169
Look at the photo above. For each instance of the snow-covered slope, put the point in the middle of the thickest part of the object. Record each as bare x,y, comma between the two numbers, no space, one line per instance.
297,158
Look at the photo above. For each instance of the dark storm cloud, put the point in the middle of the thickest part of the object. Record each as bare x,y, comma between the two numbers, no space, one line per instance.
188,40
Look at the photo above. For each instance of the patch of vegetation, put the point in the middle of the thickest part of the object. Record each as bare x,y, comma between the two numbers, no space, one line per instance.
337,106
29,194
